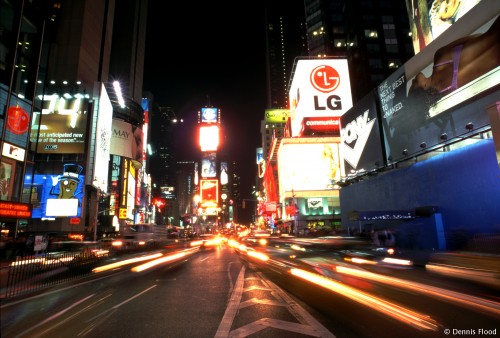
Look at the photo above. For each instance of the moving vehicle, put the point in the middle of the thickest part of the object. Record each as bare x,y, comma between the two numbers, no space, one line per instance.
207,241
138,236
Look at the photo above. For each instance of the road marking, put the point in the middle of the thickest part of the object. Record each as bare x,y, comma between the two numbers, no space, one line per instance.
307,325
232,308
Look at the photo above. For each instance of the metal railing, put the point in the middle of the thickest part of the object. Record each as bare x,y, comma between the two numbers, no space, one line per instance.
30,274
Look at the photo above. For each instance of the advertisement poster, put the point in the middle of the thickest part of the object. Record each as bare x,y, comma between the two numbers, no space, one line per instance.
319,88
430,18
209,193
5,181
58,195
61,125
208,165
444,100
17,118
308,166
361,143
127,140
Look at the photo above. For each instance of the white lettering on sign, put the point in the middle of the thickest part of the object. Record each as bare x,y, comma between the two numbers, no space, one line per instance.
59,105
357,130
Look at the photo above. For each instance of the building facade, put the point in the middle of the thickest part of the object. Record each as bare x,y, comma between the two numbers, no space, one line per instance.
78,131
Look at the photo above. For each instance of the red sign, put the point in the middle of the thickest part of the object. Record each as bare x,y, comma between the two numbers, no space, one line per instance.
321,124
74,220
159,202
15,210
209,191
18,120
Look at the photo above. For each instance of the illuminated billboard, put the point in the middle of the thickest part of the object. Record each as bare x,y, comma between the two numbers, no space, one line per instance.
62,124
7,175
10,150
127,140
361,146
277,115
208,165
319,87
435,98
58,195
209,193
17,122
320,125
145,129
209,138
224,176
308,164
429,19
209,115
102,141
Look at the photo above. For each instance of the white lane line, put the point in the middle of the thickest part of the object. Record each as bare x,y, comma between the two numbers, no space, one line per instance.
233,306
60,313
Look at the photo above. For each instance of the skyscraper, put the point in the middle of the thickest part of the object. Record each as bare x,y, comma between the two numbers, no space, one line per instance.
64,89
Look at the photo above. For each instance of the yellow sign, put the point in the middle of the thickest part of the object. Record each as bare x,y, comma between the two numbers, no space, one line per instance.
123,213
277,115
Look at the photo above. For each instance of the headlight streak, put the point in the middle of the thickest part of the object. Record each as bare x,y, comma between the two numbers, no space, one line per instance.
455,297
125,262
158,261
482,276
297,247
415,319
397,261
196,243
258,255
359,260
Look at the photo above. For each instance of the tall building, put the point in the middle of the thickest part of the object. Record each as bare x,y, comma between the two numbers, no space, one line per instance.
164,121
86,130
285,40
372,35
402,125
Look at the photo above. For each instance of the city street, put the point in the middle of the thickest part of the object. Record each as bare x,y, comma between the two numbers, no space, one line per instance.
218,293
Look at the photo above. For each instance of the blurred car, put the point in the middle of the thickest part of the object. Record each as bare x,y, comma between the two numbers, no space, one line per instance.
76,252
207,241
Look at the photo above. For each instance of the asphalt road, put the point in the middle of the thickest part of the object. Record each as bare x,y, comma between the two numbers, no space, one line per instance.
219,293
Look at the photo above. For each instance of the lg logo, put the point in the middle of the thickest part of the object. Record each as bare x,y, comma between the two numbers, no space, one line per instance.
326,79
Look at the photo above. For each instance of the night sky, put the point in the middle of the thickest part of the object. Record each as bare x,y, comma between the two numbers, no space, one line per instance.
205,53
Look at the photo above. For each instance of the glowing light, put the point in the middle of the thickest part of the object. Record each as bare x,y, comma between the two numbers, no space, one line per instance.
125,262
405,315
118,92
448,295
258,255
397,261
158,261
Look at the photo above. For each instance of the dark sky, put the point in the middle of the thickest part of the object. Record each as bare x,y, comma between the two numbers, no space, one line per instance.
209,53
